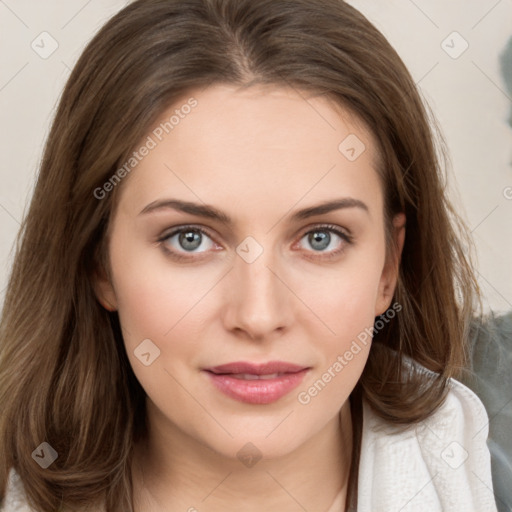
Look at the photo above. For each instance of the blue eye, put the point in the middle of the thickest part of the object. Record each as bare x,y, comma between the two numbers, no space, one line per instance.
319,240
188,240
326,239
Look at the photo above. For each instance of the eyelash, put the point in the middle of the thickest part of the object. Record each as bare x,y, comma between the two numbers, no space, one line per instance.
347,239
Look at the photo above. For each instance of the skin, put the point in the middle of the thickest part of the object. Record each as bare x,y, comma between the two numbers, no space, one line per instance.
259,156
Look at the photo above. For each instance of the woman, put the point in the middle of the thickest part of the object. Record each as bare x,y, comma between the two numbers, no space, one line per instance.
240,282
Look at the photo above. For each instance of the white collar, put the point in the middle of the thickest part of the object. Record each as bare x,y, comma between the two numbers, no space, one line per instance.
440,464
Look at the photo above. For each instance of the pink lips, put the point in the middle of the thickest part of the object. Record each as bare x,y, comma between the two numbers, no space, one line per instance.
256,383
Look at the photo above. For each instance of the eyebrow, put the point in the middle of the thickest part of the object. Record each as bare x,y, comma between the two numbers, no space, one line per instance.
212,213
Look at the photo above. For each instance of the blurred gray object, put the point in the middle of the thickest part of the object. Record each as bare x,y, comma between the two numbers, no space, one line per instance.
506,71
491,380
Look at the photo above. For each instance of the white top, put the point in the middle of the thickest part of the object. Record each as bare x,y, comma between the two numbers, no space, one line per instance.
440,464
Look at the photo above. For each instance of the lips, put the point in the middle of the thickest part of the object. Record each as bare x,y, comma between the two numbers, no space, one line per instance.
256,383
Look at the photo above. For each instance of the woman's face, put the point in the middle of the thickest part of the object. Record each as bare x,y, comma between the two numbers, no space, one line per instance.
251,233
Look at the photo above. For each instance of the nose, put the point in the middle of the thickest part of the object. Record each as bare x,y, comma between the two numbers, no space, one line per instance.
258,303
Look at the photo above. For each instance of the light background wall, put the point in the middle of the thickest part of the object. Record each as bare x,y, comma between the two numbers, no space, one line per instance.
467,94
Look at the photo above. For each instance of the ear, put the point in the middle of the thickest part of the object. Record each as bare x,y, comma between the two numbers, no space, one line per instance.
389,275
102,284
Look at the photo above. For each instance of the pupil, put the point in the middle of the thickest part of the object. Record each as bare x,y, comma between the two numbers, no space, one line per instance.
319,240
190,240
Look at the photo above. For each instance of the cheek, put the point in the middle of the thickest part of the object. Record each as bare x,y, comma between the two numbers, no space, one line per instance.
147,307
349,315
152,294
164,307
343,299
163,303
345,307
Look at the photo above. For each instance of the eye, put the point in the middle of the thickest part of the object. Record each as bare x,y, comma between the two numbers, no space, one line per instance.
329,240
187,239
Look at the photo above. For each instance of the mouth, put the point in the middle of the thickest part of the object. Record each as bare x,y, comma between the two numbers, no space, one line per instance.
256,383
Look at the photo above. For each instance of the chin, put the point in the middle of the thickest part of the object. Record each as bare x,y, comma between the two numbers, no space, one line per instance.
256,437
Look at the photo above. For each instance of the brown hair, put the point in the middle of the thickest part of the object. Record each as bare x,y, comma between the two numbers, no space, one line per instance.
64,374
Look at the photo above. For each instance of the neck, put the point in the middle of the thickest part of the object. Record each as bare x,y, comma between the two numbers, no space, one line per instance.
175,472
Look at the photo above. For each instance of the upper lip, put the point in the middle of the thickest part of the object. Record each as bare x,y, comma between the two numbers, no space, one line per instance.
256,369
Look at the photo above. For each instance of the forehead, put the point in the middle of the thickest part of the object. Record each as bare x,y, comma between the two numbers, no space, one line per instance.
274,118
261,143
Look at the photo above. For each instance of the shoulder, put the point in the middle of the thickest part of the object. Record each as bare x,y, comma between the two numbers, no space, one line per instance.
15,499
442,463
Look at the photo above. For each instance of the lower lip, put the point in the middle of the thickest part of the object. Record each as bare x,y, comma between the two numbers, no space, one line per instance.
261,391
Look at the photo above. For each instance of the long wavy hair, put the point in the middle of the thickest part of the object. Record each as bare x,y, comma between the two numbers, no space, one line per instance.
64,374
